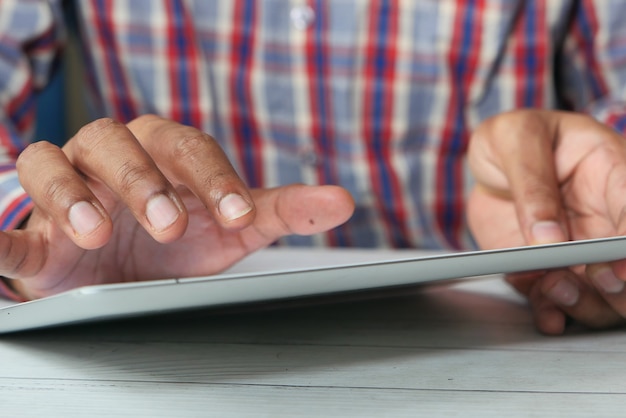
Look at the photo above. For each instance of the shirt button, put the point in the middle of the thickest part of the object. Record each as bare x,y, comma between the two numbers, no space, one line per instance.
302,16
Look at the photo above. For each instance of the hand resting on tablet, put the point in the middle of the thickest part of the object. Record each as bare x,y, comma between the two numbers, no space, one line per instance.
548,176
149,200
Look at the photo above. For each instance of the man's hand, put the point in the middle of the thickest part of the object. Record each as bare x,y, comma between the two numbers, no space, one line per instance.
148,200
546,176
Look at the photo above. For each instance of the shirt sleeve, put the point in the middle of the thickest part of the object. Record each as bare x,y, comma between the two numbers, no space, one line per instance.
31,33
30,37
593,64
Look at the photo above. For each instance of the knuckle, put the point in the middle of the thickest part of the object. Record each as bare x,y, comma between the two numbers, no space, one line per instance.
190,146
130,175
534,189
215,178
504,130
54,191
96,128
148,127
515,127
192,150
91,135
32,152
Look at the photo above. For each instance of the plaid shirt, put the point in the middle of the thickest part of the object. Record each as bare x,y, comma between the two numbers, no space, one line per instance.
379,96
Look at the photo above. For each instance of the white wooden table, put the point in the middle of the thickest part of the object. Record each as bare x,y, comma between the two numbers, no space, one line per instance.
457,350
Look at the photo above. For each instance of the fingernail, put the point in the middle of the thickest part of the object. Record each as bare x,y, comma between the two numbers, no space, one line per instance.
161,212
84,218
233,206
564,293
607,281
545,232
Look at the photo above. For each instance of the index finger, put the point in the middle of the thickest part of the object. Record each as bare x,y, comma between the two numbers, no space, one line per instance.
513,155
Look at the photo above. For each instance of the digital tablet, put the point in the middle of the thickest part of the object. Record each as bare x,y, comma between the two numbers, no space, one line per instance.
280,273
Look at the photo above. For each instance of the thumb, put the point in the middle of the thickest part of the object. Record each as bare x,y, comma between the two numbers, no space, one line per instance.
300,209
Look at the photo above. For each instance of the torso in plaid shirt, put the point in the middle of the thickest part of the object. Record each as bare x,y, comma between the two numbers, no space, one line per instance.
379,96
